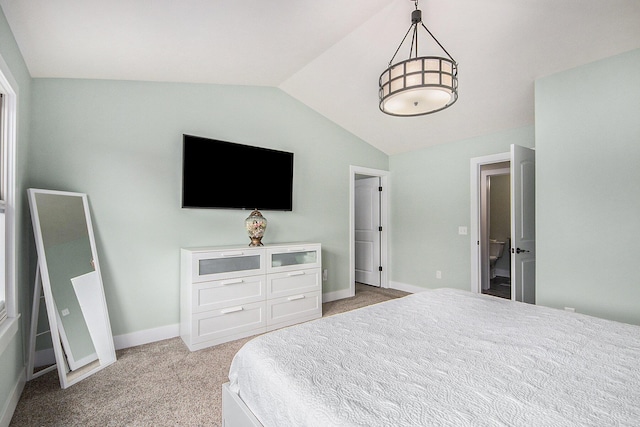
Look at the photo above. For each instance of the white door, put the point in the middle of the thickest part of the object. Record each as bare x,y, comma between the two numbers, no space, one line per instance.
367,231
523,224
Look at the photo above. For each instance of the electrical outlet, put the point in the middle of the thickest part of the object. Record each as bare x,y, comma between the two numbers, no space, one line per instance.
325,274
571,309
438,274
65,311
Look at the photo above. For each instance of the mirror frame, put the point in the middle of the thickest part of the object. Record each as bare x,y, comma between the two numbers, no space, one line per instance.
106,354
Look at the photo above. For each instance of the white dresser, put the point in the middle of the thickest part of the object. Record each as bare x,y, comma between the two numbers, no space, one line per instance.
227,293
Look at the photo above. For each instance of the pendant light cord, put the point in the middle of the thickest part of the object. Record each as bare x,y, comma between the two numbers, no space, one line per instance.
441,47
414,40
401,43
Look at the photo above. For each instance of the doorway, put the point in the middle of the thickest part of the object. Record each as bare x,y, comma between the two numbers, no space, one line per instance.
495,229
521,247
368,226
367,230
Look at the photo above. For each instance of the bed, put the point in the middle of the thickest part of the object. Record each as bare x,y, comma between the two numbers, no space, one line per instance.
440,357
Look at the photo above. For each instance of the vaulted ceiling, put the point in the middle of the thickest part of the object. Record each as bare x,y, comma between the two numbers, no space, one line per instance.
329,54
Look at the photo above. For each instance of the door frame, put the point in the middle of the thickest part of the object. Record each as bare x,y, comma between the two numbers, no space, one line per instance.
476,164
384,222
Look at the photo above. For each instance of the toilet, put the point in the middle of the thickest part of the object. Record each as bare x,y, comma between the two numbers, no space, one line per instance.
496,248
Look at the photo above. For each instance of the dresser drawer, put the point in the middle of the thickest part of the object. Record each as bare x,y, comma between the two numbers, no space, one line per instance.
293,282
224,264
214,324
293,309
292,258
228,292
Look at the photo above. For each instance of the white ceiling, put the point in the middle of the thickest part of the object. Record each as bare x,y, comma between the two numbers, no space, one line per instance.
329,54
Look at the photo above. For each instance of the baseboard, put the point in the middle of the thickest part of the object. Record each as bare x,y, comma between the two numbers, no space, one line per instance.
12,401
336,295
47,356
147,336
44,357
406,287
503,272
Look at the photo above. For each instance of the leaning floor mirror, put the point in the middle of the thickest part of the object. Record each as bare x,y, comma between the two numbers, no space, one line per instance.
71,282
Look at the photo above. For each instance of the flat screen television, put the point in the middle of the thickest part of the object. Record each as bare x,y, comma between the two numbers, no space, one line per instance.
225,175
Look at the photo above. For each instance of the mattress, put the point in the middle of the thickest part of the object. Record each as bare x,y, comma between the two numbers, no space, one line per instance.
444,357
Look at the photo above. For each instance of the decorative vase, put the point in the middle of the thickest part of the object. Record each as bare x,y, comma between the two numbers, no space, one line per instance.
255,224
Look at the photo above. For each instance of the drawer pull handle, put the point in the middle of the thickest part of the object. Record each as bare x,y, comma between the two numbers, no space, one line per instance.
295,297
231,282
296,273
231,310
234,253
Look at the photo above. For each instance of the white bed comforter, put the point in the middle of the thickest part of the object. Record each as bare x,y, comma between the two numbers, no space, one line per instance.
444,358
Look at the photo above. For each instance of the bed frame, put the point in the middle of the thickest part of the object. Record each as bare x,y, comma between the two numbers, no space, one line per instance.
234,411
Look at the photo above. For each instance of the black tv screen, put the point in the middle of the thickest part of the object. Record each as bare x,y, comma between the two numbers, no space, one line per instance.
225,175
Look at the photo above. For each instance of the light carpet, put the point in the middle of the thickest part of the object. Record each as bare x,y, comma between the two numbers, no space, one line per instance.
157,384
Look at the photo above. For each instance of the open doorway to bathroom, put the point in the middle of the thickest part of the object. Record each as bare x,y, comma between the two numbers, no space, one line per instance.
495,229
519,164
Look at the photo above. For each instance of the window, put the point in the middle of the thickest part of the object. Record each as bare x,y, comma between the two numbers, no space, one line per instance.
3,282
8,118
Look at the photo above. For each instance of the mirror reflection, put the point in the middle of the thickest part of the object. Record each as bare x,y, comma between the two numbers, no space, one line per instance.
67,249
72,284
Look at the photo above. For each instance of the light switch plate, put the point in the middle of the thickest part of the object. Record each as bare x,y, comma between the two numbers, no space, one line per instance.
462,230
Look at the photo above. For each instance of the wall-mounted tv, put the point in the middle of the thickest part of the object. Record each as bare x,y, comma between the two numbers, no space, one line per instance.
225,175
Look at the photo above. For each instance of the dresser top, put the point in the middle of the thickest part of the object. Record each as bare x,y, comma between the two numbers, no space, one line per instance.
247,247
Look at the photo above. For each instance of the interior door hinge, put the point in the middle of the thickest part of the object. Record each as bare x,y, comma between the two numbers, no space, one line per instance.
380,268
380,188
380,228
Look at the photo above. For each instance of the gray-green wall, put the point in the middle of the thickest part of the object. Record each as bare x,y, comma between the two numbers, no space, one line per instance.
430,199
121,143
13,356
588,188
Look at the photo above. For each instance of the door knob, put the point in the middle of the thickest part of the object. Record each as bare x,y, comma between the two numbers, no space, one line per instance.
518,250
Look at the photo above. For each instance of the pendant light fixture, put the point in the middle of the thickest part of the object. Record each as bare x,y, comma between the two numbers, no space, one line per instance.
418,85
